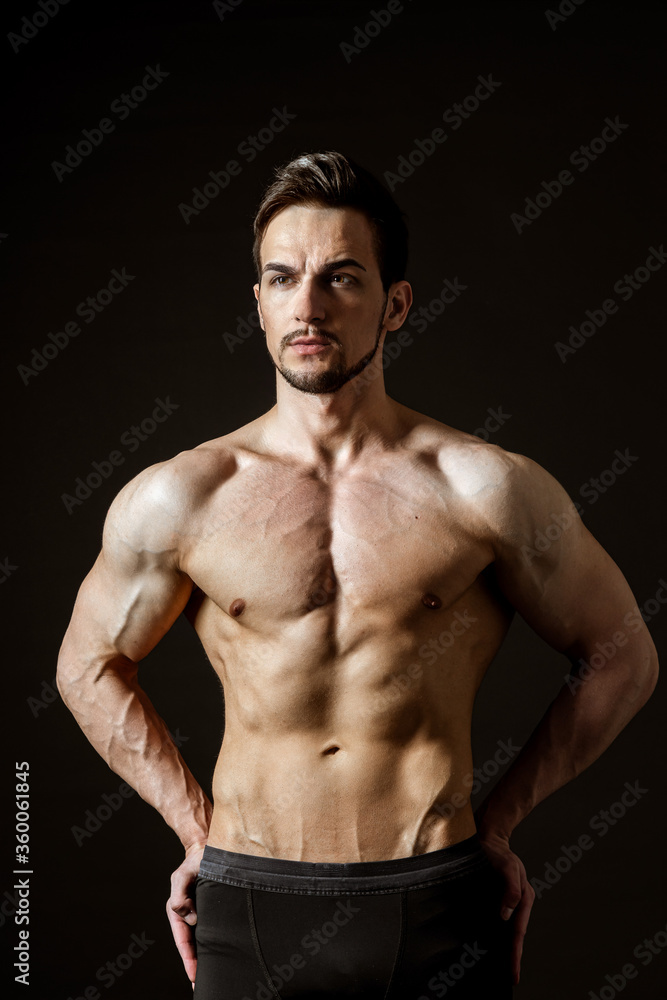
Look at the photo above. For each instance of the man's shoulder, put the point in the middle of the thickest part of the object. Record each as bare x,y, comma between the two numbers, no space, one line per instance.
470,465
157,506
507,492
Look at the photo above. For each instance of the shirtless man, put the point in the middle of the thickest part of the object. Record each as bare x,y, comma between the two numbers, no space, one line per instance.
351,567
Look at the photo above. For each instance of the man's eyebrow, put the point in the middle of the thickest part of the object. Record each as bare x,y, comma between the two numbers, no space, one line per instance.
335,265
338,265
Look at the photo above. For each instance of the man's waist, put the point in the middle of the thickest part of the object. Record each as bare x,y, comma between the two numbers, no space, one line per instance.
334,878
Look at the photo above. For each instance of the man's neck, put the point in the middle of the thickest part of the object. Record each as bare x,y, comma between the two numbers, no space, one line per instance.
331,429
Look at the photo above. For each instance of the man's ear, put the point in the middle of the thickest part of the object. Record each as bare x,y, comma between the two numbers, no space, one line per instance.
399,300
255,289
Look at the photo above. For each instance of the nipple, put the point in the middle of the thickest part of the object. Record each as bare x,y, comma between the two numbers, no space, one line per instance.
237,607
431,601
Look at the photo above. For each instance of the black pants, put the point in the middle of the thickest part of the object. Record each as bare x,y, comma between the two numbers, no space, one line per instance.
409,929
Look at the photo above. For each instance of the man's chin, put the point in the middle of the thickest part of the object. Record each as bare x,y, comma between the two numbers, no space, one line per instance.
330,379
316,383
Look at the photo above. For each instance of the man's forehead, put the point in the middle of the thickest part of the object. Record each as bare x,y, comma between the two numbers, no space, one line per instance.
310,233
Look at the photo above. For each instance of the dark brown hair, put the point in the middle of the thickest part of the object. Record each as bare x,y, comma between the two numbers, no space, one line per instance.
334,180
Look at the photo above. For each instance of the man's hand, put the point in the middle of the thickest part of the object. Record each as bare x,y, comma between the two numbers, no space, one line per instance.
519,895
181,909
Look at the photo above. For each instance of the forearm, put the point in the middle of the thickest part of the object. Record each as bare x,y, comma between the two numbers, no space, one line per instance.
582,721
121,723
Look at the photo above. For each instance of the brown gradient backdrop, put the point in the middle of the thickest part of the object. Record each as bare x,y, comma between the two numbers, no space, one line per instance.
163,337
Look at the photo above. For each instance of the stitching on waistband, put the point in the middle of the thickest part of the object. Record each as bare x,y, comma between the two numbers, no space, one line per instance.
246,883
451,857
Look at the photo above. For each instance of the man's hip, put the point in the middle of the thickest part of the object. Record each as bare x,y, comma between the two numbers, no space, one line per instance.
420,928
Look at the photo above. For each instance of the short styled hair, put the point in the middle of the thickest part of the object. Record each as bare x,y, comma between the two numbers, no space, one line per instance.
336,181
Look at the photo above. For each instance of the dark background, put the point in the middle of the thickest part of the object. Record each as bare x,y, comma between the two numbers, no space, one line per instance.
163,337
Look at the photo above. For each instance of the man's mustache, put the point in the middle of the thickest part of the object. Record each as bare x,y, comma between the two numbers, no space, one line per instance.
305,332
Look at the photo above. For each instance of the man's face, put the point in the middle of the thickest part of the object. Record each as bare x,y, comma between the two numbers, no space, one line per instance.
321,300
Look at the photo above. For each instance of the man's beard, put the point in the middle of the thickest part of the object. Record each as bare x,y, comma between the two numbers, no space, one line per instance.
333,378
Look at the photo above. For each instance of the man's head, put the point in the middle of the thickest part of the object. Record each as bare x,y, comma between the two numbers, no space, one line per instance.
333,180
330,250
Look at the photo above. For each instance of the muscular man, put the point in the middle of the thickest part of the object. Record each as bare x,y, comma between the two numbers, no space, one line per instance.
351,567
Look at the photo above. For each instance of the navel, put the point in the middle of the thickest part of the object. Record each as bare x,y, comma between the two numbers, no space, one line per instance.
331,750
237,607
431,601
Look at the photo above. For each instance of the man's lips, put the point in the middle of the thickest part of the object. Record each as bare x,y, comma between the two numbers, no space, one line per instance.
310,345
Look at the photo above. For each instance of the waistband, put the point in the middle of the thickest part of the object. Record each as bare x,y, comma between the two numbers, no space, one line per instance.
333,878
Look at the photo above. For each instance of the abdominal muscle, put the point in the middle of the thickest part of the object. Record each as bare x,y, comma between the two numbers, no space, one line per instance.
365,802
357,759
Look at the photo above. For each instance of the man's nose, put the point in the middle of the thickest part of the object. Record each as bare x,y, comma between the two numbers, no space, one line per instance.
309,302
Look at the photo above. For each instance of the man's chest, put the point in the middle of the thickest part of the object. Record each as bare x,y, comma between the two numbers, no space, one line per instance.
280,545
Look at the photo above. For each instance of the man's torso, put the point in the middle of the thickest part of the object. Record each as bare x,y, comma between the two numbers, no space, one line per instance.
351,617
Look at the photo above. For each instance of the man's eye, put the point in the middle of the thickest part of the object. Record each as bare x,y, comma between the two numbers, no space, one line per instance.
342,279
280,279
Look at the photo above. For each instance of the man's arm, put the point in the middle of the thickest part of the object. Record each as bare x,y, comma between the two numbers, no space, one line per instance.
129,600
570,591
